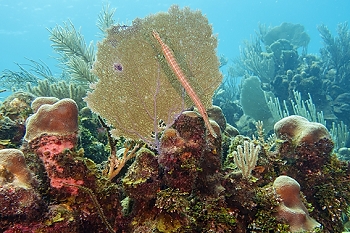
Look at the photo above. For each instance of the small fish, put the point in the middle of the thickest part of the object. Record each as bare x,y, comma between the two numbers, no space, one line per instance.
3,90
259,169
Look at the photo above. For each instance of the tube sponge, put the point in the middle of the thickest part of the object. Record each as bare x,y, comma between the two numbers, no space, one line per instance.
291,208
12,164
60,118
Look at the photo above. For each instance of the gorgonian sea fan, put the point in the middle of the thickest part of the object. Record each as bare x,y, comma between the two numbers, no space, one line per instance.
136,88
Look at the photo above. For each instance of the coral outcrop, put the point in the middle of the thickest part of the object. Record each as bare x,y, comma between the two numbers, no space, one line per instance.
60,118
307,149
300,130
51,130
13,113
182,148
291,208
14,166
181,179
19,197
142,179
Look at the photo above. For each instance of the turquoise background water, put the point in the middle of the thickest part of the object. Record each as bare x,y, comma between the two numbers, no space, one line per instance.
23,27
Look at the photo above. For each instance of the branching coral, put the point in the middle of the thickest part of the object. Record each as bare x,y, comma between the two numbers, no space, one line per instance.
302,108
29,73
105,19
246,157
75,54
257,61
117,161
336,52
60,90
340,135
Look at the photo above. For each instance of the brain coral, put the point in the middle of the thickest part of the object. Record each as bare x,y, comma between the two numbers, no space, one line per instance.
292,208
137,88
60,118
300,130
13,161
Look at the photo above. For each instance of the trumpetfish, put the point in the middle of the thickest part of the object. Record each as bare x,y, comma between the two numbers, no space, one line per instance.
170,58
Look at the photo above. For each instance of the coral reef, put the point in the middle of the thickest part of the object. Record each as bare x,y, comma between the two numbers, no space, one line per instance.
180,187
62,194
164,170
317,83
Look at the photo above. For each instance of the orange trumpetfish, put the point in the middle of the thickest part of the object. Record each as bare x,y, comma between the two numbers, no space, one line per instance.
169,56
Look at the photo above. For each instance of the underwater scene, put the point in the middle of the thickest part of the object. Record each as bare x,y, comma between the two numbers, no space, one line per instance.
162,116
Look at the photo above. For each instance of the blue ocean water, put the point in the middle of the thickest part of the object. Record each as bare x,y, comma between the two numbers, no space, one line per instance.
24,24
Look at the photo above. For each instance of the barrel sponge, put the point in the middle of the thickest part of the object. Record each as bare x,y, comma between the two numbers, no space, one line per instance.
14,169
253,101
60,118
292,209
300,130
